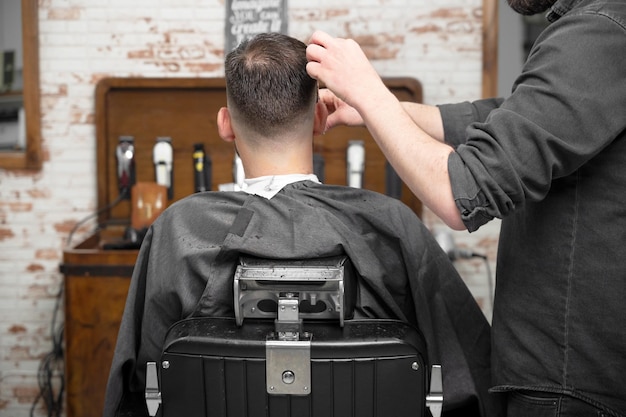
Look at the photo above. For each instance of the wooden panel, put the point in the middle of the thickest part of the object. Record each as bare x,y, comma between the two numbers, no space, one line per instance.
94,307
185,109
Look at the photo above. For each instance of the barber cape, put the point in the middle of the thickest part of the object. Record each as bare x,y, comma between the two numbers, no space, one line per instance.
187,261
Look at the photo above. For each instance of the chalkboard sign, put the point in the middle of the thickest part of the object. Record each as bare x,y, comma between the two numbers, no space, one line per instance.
246,18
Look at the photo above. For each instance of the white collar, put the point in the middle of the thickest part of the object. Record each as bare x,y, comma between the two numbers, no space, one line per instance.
268,186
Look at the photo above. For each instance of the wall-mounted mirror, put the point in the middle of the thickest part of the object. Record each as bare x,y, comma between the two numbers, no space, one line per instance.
20,114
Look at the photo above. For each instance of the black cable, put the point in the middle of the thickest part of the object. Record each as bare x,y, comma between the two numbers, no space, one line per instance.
52,365
115,202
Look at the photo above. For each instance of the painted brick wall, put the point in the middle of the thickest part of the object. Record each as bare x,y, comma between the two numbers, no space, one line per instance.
82,41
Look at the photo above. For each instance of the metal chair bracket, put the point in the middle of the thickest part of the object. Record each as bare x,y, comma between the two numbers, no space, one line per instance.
288,352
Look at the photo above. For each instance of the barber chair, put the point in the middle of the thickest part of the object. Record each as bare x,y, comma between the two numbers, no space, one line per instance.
293,349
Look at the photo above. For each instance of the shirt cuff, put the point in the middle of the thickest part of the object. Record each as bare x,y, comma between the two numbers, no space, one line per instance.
469,199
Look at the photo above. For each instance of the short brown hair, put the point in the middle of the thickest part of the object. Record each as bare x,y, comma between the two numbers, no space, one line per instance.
267,83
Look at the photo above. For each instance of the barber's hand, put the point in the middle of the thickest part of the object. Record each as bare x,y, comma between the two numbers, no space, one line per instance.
343,67
339,112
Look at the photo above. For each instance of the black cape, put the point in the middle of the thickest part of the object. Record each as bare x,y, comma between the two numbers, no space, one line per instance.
187,261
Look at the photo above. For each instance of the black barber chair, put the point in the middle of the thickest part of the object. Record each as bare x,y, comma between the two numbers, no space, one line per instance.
293,349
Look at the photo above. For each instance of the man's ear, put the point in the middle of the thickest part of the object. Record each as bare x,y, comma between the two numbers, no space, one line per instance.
319,124
224,125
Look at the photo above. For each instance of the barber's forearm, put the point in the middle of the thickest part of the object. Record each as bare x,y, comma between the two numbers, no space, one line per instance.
428,118
420,160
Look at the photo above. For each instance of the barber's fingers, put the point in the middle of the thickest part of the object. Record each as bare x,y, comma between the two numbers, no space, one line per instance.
327,58
330,101
320,37
339,112
328,98
314,56
316,53
342,66
324,54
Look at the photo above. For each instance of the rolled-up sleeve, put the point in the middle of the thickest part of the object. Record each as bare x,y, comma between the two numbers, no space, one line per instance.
472,202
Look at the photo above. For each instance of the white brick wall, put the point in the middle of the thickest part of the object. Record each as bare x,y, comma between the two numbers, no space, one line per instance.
82,41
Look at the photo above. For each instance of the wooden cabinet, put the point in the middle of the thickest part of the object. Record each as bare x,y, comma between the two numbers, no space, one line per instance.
96,284
184,109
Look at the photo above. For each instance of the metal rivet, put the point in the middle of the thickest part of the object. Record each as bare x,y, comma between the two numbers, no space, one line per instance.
415,366
289,377
166,364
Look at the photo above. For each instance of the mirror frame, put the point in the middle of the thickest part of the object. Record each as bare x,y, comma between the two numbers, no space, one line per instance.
31,157
490,48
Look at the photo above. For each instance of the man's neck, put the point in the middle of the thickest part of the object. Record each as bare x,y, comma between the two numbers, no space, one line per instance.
278,162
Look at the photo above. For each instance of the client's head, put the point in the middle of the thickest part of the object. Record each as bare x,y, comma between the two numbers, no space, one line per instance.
271,98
